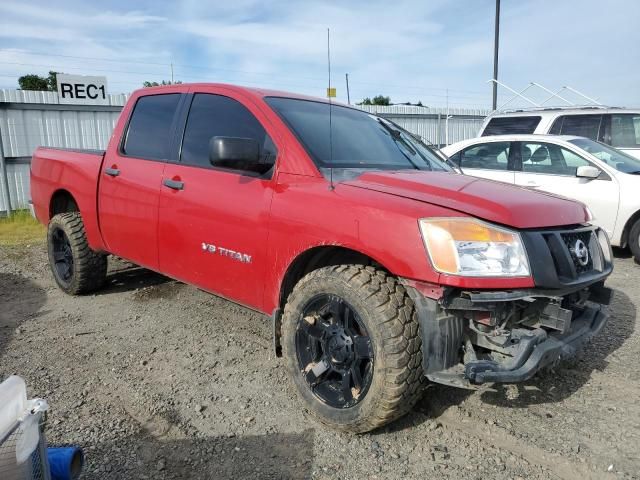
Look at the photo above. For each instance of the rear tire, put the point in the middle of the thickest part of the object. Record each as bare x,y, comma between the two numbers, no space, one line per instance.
76,268
634,240
378,309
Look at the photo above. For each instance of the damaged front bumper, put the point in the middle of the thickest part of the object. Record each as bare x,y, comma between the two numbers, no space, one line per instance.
466,344
538,350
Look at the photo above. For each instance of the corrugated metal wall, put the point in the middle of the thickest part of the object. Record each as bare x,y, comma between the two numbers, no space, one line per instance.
31,119
431,123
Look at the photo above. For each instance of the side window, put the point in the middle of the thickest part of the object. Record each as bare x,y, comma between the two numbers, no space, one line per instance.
511,125
581,125
625,130
487,156
218,116
549,159
556,128
149,131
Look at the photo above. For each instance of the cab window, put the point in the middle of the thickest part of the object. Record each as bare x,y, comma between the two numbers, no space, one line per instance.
511,125
219,116
625,130
149,131
486,156
550,159
579,125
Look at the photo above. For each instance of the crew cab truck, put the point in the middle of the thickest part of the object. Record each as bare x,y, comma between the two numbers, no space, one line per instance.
379,266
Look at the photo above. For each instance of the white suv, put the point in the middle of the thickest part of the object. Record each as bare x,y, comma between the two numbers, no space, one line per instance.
605,179
617,127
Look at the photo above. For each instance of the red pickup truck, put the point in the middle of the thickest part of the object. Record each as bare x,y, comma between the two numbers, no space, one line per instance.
379,266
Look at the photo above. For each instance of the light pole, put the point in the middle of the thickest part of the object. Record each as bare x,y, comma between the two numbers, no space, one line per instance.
495,55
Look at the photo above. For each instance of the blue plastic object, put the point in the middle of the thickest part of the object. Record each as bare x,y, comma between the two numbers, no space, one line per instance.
65,463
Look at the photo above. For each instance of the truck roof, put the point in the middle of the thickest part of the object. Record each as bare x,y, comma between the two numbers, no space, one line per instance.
254,91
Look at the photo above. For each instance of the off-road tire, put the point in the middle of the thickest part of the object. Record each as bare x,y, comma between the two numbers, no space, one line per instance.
89,270
390,318
634,241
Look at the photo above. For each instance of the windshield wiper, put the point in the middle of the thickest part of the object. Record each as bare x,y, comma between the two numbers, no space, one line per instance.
396,135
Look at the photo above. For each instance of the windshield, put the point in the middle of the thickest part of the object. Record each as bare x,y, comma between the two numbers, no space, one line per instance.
612,157
358,139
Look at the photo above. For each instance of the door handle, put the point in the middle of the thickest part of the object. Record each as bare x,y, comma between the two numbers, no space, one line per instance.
112,172
173,184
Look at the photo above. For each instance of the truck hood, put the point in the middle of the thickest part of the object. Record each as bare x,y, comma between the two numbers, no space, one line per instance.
496,202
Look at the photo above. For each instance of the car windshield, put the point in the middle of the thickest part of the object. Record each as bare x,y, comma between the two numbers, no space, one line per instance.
611,156
358,139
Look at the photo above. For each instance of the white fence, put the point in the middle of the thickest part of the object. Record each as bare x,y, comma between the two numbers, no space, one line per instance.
30,119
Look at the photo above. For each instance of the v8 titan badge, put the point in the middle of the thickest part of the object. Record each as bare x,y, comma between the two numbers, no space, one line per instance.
225,252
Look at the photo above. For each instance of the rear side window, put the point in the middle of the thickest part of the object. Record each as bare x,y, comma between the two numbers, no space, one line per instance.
510,125
579,125
149,131
487,156
218,116
625,130
550,159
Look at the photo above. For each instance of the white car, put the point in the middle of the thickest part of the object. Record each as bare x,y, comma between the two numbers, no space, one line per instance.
618,127
604,178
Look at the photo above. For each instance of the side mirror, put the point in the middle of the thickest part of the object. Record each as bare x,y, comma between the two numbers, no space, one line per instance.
587,171
234,152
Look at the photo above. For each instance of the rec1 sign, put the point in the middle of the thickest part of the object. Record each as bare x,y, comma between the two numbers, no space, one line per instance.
82,90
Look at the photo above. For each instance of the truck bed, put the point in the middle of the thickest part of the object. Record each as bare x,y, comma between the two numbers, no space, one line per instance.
58,171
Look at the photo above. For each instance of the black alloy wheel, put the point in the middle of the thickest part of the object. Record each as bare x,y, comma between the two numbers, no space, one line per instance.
334,351
62,256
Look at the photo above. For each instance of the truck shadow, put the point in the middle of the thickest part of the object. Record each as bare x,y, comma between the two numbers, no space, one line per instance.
21,300
278,455
131,277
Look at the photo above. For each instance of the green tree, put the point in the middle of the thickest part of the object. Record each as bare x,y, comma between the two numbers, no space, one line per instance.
52,81
33,82
164,82
377,100
36,82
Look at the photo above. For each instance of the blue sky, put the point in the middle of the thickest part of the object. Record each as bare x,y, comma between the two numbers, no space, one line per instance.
410,50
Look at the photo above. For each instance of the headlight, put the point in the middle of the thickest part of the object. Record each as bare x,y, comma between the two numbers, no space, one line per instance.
471,248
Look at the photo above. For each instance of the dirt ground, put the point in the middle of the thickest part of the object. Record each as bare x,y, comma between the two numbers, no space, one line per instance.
156,379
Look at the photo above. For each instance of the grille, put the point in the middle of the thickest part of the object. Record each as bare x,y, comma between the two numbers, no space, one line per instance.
573,238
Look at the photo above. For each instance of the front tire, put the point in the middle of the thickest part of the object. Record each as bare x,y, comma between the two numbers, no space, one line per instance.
352,346
76,268
634,240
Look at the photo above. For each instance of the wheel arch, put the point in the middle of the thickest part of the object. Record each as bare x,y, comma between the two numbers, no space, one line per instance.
305,262
624,238
62,201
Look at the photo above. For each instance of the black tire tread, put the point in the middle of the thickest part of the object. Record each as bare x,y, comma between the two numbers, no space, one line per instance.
401,342
90,267
634,243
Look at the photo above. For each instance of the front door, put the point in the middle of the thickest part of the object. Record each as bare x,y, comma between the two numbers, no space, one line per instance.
129,187
552,168
213,221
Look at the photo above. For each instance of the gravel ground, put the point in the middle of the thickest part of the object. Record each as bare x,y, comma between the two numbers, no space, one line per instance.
156,379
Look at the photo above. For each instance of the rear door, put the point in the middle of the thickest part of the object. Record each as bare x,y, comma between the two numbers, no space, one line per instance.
214,221
129,187
552,168
490,160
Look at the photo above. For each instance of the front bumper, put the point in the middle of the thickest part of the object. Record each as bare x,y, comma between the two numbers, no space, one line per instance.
538,350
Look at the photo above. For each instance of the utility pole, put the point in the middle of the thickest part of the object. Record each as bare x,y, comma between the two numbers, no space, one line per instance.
172,73
495,55
346,76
